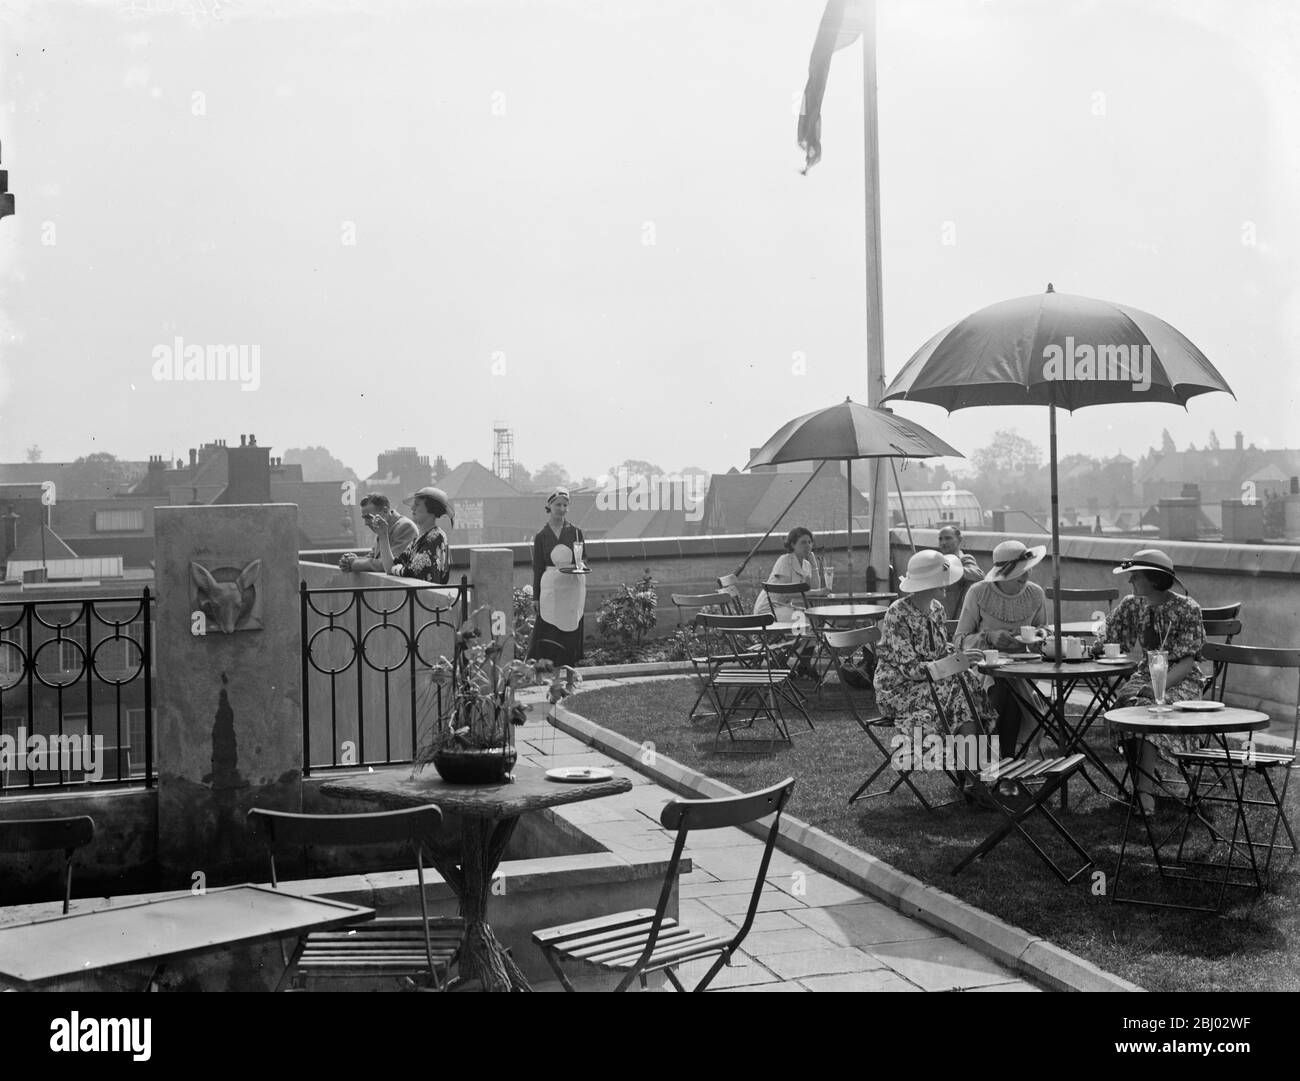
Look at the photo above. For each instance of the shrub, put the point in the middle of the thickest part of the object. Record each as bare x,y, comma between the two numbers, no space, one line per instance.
625,617
524,618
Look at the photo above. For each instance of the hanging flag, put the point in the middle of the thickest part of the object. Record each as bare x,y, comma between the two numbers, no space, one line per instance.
842,24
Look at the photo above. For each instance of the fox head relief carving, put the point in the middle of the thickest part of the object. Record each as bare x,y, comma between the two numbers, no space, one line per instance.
228,597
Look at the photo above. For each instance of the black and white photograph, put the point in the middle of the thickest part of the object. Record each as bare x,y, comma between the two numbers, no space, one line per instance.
651,496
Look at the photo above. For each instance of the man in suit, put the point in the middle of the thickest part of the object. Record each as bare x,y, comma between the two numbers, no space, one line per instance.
950,545
394,533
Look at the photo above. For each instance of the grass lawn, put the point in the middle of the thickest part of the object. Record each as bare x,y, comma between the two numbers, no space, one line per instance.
1255,945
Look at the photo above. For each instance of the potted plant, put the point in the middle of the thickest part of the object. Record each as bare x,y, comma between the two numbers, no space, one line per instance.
475,712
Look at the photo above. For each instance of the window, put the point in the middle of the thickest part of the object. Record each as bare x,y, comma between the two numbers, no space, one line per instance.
11,661
119,521
135,737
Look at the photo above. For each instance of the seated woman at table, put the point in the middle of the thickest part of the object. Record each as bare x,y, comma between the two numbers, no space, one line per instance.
993,611
911,634
1153,617
798,564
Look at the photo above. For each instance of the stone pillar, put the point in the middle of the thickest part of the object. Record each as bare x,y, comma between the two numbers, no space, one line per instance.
229,685
491,577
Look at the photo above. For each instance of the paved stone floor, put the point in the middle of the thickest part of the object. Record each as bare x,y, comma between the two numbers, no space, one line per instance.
811,932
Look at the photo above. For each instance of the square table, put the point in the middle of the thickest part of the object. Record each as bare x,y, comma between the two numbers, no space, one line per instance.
488,815
157,931
1138,722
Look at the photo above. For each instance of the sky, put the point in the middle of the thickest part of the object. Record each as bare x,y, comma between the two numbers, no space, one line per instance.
587,220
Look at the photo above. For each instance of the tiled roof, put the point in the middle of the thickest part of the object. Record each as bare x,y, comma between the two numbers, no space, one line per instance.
470,480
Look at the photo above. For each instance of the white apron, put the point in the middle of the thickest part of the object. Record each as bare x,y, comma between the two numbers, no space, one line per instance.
564,596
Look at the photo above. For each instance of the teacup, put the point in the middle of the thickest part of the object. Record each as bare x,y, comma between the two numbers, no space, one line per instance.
990,656
1030,635
1111,650
1069,649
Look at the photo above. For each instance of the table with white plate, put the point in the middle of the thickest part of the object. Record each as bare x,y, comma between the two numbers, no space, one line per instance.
1217,722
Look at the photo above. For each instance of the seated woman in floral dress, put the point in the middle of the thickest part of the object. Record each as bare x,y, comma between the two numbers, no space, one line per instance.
911,634
1156,618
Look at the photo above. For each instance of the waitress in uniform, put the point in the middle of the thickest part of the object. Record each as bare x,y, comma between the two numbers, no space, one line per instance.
559,595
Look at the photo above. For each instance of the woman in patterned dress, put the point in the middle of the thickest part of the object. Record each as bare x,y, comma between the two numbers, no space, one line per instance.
428,558
1154,617
911,634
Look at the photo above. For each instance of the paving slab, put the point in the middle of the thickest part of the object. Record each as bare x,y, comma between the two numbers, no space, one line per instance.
940,964
765,944
881,979
729,904
863,924
830,960
818,890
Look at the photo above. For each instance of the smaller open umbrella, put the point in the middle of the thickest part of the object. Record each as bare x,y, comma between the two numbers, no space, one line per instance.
846,432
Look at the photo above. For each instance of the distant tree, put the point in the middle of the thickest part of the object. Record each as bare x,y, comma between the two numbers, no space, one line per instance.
318,464
551,475
97,475
440,468
1009,452
1214,440
1167,443
589,482
34,453
1191,448
520,477
1274,516
695,471
634,467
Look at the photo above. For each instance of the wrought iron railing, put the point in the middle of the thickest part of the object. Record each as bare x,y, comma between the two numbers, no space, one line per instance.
365,654
76,693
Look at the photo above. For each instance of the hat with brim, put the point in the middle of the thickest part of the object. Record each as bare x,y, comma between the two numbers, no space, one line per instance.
1149,559
1011,559
930,570
559,493
442,505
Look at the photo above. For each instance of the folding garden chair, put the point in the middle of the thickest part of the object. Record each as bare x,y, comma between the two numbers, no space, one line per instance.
1247,761
762,685
417,948
1016,788
636,943
1221,611
1082,596
689,606
730,584
23,835
841,647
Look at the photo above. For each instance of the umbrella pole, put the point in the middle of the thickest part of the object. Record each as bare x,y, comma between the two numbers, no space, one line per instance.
750,555
849,463
1056,517
902,503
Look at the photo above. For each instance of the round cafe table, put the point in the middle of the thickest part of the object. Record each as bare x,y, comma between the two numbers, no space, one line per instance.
1102,679
1138,722
819,597
840,612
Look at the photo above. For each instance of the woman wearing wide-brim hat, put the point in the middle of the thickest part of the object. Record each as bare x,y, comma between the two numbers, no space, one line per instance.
559,595
911,634
428,557
993,611
1154,617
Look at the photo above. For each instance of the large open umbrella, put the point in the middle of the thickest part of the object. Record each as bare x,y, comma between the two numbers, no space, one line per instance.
1056,350
846,432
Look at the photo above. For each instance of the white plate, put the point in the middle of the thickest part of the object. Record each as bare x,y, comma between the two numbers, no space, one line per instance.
1112,660
578,774
1197,706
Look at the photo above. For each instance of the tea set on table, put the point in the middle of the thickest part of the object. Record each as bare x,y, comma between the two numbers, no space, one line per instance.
1038,640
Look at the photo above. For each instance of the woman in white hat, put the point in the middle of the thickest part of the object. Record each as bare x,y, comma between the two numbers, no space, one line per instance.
993,610
559,596
1154,617
911,634
428,558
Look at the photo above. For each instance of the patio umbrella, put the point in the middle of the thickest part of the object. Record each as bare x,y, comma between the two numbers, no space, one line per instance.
846,432
1056,350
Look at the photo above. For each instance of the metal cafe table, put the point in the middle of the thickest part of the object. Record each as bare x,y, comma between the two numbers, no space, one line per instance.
1138,722
81,944
488,815
1102,678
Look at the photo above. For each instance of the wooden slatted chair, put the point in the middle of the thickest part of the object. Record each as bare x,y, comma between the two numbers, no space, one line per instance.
1015,787
730,584
636,943
764,685
1247,761
689,606
419,948
20,836
1221,611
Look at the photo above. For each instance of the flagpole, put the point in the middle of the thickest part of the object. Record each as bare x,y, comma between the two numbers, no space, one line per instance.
874,293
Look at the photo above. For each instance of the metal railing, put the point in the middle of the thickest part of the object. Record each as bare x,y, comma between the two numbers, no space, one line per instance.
76,693
365,652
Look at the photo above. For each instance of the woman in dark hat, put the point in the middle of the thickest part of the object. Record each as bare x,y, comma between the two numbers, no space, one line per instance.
428,557
559,595
1156,618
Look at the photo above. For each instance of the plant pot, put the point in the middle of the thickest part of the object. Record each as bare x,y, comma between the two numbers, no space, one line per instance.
475,765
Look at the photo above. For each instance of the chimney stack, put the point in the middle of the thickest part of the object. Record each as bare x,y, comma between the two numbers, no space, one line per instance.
194,457
1240,441
243,440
